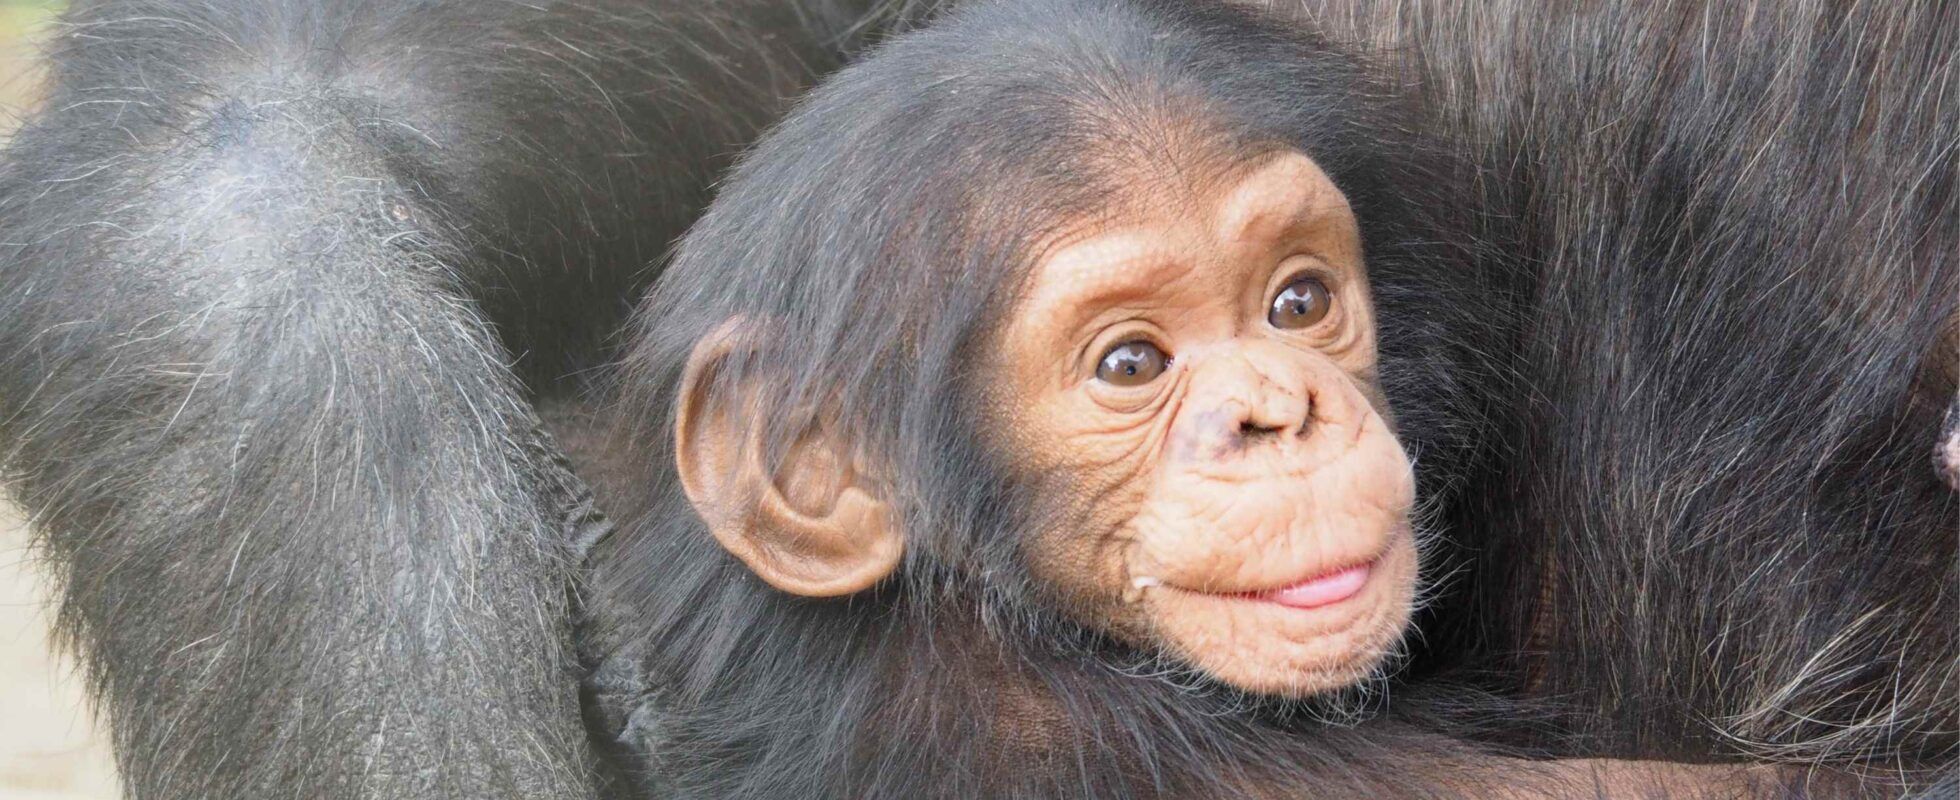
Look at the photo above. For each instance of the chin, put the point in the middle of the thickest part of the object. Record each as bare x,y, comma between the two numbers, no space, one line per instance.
1271,649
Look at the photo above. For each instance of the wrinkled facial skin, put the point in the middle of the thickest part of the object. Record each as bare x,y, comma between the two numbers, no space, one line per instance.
1221,509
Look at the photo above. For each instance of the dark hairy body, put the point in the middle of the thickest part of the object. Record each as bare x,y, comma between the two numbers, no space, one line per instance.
286,285
1737,330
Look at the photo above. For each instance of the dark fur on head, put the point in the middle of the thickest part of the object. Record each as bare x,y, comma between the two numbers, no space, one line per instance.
1684,437
868,248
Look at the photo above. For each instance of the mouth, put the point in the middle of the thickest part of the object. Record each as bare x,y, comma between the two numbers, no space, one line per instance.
1321,590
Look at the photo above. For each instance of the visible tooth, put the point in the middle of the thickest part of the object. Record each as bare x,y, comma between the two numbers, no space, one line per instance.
1134,594
1145,582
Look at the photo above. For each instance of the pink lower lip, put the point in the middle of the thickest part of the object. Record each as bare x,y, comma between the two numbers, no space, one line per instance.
1324,590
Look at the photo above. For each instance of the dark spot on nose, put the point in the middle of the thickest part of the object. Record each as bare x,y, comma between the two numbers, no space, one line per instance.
1250,431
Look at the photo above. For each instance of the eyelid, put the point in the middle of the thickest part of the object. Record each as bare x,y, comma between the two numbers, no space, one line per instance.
1303,265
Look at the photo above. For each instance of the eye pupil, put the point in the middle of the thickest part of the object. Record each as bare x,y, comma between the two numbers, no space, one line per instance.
1303,302
1132,364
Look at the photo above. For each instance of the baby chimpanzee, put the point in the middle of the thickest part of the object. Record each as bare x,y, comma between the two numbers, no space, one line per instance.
1031,416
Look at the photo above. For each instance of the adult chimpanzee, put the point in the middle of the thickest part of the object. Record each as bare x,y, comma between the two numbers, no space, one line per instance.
262,297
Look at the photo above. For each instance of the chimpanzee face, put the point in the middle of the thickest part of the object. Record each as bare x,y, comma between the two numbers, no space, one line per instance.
1201,373
1191,377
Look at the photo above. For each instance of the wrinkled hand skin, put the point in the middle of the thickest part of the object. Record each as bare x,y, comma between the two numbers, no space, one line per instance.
1259,459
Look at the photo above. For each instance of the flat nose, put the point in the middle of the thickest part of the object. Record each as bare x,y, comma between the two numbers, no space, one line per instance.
1256,399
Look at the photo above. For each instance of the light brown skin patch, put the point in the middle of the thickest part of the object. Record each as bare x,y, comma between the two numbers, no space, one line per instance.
813,525
1257,460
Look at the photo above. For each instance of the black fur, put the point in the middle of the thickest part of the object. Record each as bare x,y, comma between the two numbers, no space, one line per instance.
1716,532
871,240
282,285
1698,309
267,269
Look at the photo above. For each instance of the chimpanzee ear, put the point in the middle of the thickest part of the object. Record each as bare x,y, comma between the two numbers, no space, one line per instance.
810,526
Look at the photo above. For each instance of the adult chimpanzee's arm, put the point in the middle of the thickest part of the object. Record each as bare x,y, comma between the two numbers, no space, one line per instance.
266,266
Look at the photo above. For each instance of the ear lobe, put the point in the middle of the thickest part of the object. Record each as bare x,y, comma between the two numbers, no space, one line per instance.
808,527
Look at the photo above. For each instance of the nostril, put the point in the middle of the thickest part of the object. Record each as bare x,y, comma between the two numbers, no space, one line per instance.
1254,430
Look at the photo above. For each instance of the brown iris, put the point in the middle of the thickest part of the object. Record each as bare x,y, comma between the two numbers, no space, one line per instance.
1132,363
1303,302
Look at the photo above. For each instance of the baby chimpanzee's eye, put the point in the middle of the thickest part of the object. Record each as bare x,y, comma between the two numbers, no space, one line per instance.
1303,302
1132,363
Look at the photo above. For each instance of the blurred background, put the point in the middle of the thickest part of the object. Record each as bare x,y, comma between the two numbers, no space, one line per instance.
50,747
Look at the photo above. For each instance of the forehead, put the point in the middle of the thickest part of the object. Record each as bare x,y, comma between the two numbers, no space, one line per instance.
1176,227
